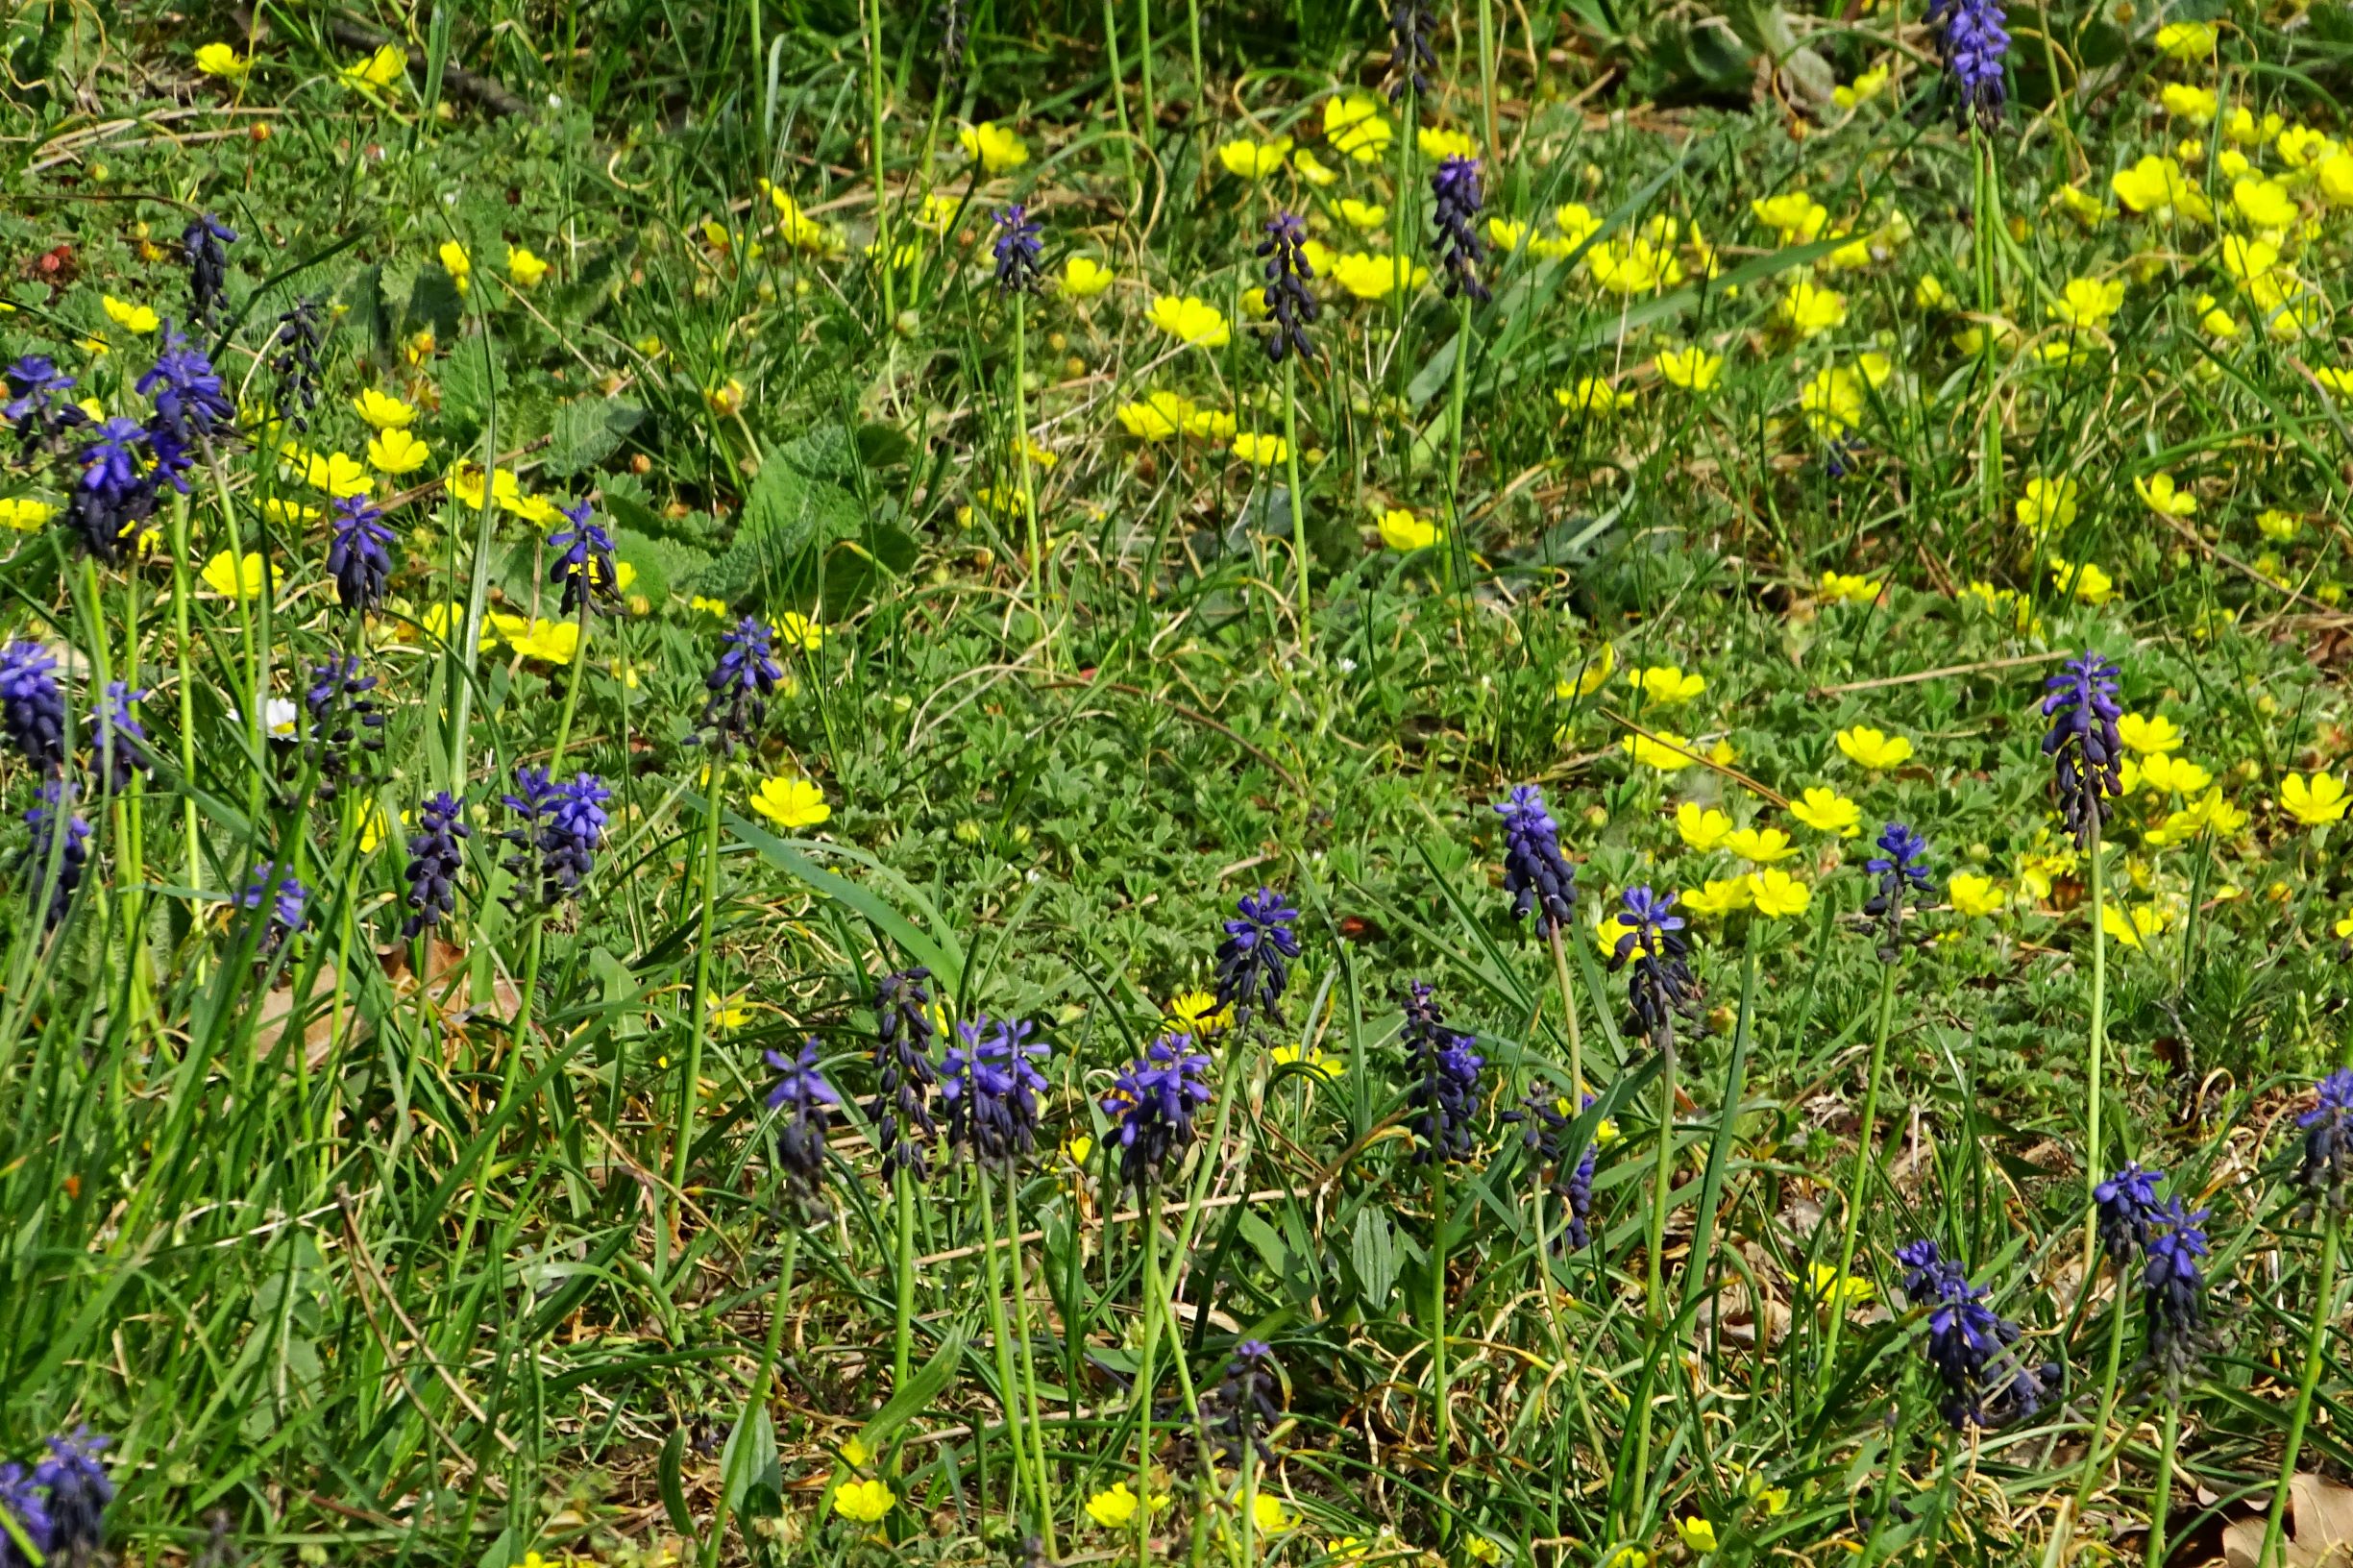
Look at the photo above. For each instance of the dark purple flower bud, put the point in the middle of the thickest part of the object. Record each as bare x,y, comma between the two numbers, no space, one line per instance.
201,243
2328,1142
1988,1381
1241,1410
1018,251
190,401
989,1082
1455,203
740,684
1662,988
1974,39
807,1103
61,834
79,1492
904,1130
1411,55
32,708
343,725
1289,306
1535,873
120,739
1902,866
293,358
287,901
358,555
2129,1210
2173,1292
1254,960
1444,1068
2086,752
1151,1105
434,861
556,841
1544,1132
22,1499
115,495
584,560
41,410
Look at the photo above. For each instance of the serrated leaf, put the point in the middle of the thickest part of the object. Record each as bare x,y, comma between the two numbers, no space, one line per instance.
589,430
788,518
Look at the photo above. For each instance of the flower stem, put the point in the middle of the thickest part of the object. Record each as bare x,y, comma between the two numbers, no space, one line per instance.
1154,1307
734,1478
2097,1047
1029,1361
1009,1394
690,1082
1299,516
2316,1334
902,1328
1568,1011
1866,1155
1437,1312
2161,1500
882,196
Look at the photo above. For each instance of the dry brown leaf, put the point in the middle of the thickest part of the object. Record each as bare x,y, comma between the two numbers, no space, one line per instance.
2319,1528
318,1032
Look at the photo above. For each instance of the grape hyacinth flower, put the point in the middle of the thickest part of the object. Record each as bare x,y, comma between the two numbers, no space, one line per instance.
991,1083
1445,1071
1017,251
2128,1211
1410,53
1152,1104
1254,960
557,842
114,495
41,410
740,684
293,357
120,739
343,724
434,862
1241,1410
2083,744
1902,866
32,708
584,559
904,1130
79,1492
203,243
189,399
1661,986
2174,1286
21,1498
808,1102
1544,1134
1539,879
1455,203
61,832
1290,306
359,558
287,900
1973,1350
1973,38
2327,1163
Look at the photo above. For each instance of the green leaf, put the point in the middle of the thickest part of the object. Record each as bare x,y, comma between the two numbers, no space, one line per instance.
942,955
1373,1249
661,563
670,1472
923,1386
788,518
749,1459
589,430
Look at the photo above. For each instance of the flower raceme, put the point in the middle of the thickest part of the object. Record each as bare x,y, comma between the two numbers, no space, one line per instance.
1535,873
1151,1108
989,1082
1254,960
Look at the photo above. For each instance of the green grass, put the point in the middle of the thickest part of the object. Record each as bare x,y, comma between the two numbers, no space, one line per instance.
355,1267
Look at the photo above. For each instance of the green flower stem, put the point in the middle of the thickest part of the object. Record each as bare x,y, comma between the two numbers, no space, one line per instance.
1029,1361
1568,1012
1144,59
1487,76
187,692
1989,308
2093,1456
2316,1335
734,1478
1866,1155
1118,93
1655,1282
2168,1442
1009,1392
571,690
882,195
1437,1312
689,1081
902,1325
1299,516
1155,1295
1456,560
1020,447
2098,1045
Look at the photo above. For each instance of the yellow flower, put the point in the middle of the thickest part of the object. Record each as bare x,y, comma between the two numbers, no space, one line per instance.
1313,1059
336,472
1809,310
803,232
457,264
1590,678
1794,215
2335,380
1082,277
1577,223
2157,185
2158,494
790,800
1191,321
1632,265
2187,41
2264,202
1210,425
2087,302
553,642
383,410
1669,752
1250,159
1973,895
1719,898
1693,369
1198,1015
1873,750
1401,530
1158,417
1760,846
522,268
2175,775
2184,102
1505,234
1353,125
2242,127
130,318
2082,579
2333,176
797,630
1438,145
1260,450
1699,1536
2132,927
996,148
1483,1549
2250,263
419,346
380,69
2277,525
1592,394
2302,146
1848,588
1114,1508
1666,685
2314,800
235,578
730,1013
1363,215
24,514
1372,276
1311,170
1862,90
222,60
1268,1513
2048,503
1702,827
396,451
2147,733
1827,811
862,1502
2082,205
1827,1285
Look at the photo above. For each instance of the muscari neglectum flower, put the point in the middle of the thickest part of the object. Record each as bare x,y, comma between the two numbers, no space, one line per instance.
1902,866
990,1082
113,496
808,1102
293,357
2328,1143
32,708
1445,1070
1539,879
1254,960
901,1110
1455,203
2128,1211
2086,752
1411,25
40,409
556,844
1987,1381
1974,39
1545,1134
287,900
740,684
2173,1292
1152,1104
357,556
1241,1410
79,1492
1289,304
26,1504
50,815
190,401
1651,938
120,739
343,723
1017,251
201,243
584,559
434,862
